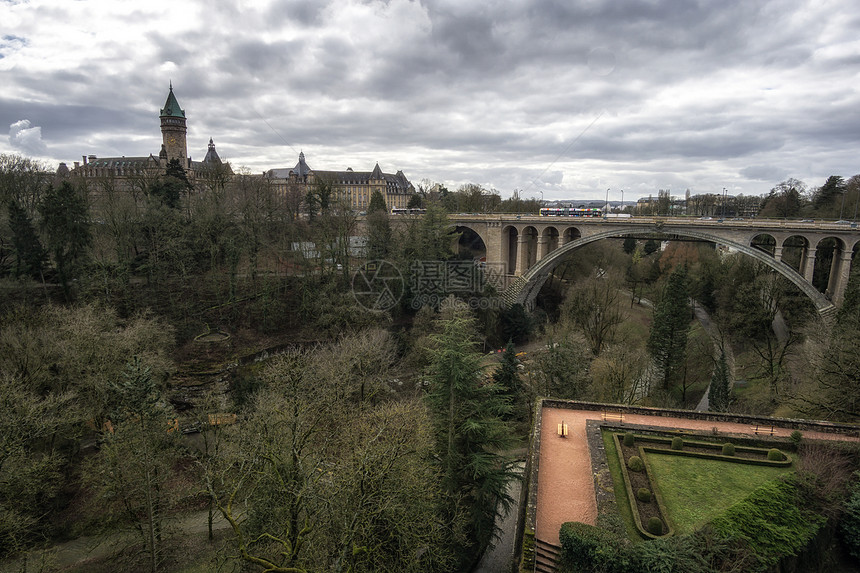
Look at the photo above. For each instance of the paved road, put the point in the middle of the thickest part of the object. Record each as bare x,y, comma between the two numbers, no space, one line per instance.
714,333
500,557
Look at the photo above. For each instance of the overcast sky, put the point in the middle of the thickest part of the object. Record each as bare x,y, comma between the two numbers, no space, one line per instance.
567,97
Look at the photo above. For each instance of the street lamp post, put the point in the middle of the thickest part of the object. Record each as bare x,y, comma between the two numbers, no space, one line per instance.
843,205
606,209
725,191
856,201
622,200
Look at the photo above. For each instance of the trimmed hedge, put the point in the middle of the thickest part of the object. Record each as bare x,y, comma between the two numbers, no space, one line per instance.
677,444
785,462
588,548
643,495
728,449
655,526
629,440
631,495
636,464
775,455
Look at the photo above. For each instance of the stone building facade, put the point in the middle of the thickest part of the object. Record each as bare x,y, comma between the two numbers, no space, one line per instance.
127,170
352,188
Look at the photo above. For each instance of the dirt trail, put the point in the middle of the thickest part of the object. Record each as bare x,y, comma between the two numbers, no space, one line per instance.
86,548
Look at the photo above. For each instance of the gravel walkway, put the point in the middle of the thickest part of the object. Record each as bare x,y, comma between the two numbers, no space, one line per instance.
565,484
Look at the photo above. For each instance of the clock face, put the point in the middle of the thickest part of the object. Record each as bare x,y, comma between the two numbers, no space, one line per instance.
171,140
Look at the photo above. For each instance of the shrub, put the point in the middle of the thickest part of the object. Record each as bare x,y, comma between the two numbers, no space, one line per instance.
677,444
655,526
795,437
849,525
644,494
770,521
681,553
824,472
636,464
628,439
588,548
728,449
775,455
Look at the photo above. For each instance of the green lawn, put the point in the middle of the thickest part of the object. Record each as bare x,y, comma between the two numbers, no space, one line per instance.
695,490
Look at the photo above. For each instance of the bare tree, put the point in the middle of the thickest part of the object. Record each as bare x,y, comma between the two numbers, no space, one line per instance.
619,375
593,305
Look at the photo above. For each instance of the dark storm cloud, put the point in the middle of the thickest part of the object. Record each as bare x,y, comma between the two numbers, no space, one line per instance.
763,173
549,95
298,11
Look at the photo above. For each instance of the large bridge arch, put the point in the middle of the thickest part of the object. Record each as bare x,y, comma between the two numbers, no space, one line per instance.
525,288
470,242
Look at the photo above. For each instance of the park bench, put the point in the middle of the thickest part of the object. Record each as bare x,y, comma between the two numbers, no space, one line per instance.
613,417
763,429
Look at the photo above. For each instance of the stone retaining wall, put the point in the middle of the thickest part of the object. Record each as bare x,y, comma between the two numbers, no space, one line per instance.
790,423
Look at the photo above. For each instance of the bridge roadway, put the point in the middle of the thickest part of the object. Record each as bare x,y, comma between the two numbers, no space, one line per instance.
528,247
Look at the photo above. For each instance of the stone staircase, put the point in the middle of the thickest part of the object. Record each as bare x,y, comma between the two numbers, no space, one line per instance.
510,294
546,557
828,315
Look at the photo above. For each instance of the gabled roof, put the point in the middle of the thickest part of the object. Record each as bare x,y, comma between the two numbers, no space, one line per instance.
377,173
171,106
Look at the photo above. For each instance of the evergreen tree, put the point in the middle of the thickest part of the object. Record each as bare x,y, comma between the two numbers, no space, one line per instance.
629,245
377,203
415,202
30,255
507,377
319,196
668,340
651,246
515,323
719,393
829,193
65,221
379,232
170,188
468,418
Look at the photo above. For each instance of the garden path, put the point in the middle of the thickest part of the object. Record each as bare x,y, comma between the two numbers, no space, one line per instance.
565,484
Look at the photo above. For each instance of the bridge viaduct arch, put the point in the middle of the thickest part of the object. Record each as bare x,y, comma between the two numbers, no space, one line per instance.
529,248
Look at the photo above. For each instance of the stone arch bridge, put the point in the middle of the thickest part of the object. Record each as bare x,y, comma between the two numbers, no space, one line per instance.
528,248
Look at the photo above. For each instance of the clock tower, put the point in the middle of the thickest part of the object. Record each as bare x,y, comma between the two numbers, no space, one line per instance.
173,130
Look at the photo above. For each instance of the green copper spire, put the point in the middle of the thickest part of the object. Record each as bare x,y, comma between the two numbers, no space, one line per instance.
171,106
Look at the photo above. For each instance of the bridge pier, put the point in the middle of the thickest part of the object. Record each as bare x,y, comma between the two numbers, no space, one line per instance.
543,246
522,254
777,253
809,264
839,276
